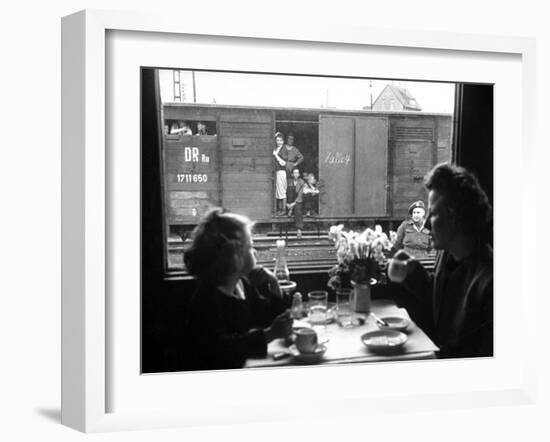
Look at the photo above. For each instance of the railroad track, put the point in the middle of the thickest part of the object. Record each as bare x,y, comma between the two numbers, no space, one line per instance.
312,253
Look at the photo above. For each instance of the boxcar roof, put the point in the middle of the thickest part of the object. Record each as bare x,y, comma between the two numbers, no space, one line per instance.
320,110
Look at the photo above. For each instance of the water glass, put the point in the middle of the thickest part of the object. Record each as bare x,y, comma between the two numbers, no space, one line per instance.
317,307
344,308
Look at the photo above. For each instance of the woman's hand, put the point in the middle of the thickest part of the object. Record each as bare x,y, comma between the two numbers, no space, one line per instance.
403,265
397,266
402,255
281,327
265,282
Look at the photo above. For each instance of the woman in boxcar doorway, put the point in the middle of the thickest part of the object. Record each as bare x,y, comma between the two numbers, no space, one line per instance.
281,177
229,320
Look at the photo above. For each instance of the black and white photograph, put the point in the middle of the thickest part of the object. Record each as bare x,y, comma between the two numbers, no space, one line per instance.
283,221
307,220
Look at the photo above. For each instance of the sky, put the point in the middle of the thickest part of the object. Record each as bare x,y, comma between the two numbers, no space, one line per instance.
299,91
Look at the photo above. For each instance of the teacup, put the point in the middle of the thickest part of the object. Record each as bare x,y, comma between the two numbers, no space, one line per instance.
305,340
397,269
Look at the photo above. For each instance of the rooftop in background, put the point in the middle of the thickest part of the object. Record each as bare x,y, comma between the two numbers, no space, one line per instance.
395,98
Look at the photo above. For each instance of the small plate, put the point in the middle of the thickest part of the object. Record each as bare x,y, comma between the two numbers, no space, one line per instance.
394,323
307,357
384,341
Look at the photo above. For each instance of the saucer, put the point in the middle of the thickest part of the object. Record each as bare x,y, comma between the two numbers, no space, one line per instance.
384,341
313,356
394,323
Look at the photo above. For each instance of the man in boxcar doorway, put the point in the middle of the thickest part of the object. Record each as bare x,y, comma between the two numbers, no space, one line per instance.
454,304
291,154
295,198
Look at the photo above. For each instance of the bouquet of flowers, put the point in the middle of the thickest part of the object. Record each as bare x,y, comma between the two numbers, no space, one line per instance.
361,256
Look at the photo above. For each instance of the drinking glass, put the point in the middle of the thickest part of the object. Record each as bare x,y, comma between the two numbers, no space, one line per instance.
317,307
344,309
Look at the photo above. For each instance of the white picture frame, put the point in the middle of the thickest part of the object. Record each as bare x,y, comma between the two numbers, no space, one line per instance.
85,215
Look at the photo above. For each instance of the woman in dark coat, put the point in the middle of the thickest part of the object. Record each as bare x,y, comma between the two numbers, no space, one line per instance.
229,320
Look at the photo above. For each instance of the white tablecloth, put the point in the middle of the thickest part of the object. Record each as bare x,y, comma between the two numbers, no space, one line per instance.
345,346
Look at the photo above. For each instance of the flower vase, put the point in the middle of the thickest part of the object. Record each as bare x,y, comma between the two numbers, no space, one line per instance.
361,297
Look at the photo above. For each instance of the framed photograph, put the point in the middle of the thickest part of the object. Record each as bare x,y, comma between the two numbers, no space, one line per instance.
164,121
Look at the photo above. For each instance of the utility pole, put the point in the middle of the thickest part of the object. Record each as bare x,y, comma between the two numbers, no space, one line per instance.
177,85
194,88
370,88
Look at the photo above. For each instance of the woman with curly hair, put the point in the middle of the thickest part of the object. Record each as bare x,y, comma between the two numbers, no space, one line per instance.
454,304
228,319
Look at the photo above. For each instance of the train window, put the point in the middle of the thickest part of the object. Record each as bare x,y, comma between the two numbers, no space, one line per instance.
189,127
366,161
361,147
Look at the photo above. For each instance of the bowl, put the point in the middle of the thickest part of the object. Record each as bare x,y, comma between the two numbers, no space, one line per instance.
384,341
394,323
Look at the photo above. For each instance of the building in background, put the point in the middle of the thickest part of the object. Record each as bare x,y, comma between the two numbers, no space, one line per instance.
395,98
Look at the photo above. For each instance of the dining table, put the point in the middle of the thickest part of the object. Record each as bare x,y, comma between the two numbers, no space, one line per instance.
345,345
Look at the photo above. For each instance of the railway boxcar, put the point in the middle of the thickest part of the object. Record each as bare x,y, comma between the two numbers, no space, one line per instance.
370,164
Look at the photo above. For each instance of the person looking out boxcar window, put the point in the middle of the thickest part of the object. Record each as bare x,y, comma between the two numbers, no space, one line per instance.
230,317
180,127
201,128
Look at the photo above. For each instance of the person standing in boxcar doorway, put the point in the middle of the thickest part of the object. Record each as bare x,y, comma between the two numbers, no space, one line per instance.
291,155
281,179
412,234
288,157
295,196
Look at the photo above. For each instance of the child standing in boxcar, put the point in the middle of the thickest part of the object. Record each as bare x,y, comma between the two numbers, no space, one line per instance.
311,195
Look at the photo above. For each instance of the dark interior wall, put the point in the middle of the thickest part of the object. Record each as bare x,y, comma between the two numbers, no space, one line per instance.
473,135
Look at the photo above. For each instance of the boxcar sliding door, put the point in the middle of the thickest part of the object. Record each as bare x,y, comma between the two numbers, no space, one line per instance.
353,166
336,165
246,141
371,166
